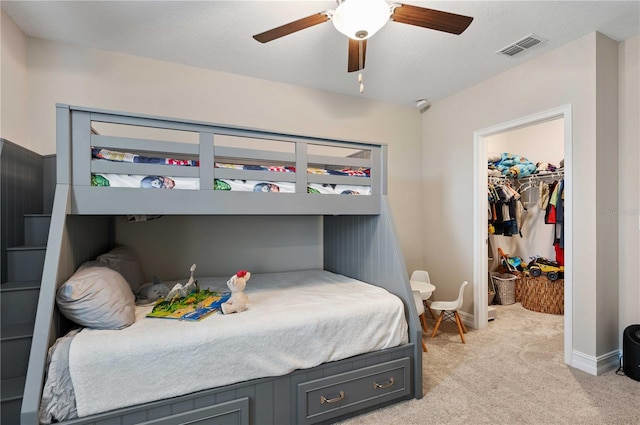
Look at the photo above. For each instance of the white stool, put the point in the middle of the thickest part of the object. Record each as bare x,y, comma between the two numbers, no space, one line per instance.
420,282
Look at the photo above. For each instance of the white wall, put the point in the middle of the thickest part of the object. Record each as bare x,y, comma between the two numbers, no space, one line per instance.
564,76
13,83
62,73
628,210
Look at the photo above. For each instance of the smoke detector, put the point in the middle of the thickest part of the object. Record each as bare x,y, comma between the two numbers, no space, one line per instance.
423,105
521,45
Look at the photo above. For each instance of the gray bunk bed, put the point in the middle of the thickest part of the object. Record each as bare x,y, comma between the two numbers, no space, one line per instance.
356,233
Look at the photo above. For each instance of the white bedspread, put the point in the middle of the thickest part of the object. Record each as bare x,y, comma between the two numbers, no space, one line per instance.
295,320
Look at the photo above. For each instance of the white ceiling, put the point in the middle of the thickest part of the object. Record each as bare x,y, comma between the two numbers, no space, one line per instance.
404,63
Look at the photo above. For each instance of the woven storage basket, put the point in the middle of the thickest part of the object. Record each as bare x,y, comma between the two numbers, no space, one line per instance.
506,288
543,295
519,283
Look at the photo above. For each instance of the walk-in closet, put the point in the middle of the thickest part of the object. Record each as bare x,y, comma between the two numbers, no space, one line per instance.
525,192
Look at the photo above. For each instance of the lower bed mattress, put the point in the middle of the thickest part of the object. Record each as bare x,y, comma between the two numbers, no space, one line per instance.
296,320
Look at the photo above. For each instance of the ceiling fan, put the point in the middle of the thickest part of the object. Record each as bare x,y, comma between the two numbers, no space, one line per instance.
360,19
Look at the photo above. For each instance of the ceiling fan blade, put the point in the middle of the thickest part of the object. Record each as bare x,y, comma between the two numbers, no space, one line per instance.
357,52
431,18
291,27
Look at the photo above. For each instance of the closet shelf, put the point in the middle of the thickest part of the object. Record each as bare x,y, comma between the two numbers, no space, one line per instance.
532,177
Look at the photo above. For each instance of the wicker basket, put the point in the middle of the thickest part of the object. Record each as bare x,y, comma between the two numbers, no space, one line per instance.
519,283
543,295
506,288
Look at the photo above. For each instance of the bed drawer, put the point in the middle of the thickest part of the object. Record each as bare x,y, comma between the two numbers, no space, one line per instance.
337,395
234,412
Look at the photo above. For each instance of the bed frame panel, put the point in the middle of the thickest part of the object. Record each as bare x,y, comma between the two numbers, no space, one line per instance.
358,228
272,401
75,138
367,248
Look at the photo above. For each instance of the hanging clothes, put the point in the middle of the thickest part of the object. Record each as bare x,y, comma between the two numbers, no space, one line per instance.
550,215
505,208
543,201
558,242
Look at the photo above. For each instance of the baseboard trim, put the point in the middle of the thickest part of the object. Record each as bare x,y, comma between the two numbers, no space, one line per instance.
467,319
596,365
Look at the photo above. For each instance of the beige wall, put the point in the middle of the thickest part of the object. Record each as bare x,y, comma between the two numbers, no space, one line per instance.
13,84
629,181
543,142
61,73
607,299
564,76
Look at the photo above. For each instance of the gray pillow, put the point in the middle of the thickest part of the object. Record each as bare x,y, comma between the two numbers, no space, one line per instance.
124,261
97,297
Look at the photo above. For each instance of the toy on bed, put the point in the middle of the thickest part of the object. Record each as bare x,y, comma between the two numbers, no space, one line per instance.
152,292
188,302
238,301
181,291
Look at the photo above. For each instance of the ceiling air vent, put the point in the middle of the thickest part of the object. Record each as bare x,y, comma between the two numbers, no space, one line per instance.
521,45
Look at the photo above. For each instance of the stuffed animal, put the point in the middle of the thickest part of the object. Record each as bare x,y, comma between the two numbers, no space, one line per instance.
152,292
238,300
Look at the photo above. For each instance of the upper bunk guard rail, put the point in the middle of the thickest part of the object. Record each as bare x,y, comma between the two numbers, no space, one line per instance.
76,136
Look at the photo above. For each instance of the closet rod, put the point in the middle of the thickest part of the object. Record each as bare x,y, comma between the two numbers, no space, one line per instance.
498,179
542,176
529,178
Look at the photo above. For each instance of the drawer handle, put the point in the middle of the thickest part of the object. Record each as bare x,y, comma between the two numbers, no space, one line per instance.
377,386
324,400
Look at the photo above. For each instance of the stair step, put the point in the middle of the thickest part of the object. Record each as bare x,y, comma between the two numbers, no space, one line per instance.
15,357
36,229
11,390
19,302
15,346
10,412
25,263
11,332
19,286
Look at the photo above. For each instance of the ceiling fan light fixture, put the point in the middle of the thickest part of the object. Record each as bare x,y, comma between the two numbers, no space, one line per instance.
360,19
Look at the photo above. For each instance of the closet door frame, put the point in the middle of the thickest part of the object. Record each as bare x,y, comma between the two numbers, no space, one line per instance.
480,239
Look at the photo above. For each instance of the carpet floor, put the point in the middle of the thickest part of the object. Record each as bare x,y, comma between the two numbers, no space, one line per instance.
511,373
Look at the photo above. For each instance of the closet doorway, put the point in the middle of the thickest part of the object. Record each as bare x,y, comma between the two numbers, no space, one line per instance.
501,138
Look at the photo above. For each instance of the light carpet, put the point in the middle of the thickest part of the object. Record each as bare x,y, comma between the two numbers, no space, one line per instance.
511,373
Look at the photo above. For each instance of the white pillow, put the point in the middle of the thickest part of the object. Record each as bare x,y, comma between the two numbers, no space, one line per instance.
124,261
97,297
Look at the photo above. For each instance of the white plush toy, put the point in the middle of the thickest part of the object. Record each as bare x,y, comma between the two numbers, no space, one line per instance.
238,300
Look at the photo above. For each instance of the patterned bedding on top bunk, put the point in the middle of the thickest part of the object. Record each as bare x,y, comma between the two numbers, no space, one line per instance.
191,183
296,320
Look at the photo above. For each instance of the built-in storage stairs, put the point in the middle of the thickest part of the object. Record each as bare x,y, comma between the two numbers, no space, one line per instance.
19,301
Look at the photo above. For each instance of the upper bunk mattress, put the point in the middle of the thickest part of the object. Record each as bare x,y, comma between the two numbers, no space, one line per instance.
296,320
189,183
270,182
